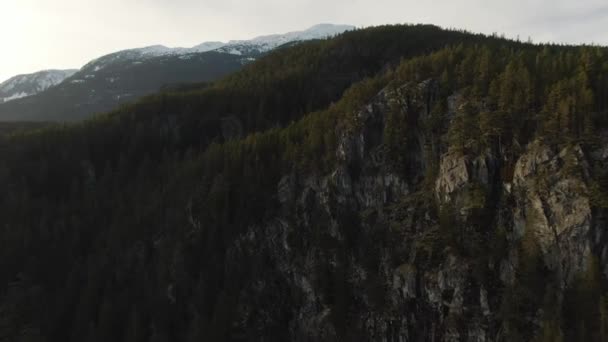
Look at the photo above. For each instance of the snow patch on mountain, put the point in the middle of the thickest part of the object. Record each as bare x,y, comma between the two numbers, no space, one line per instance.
258,44
15,96
267,43
26,85
254,46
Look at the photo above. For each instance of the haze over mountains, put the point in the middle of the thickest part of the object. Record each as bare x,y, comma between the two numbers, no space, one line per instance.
124,76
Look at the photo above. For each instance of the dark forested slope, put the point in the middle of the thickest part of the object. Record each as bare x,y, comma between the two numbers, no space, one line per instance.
394,183
102,86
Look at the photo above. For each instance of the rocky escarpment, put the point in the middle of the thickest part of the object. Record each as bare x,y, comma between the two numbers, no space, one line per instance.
552,203
366,252
397,240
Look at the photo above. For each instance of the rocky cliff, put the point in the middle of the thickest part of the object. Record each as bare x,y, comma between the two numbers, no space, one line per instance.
365,253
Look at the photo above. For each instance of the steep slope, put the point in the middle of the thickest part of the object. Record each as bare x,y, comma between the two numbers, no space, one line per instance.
127,75
31,84
432,200
94,90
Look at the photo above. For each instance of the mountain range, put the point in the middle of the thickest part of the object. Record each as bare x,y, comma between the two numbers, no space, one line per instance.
31,84
125,76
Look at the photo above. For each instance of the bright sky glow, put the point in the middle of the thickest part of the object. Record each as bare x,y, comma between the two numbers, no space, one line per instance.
44,34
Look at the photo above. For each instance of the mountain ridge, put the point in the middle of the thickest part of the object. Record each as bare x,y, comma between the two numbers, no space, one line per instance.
254,46
24,85
127,75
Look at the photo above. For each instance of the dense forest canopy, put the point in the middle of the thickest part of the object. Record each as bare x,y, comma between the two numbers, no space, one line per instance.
121,228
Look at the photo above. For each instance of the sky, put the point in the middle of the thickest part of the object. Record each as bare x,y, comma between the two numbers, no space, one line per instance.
62,34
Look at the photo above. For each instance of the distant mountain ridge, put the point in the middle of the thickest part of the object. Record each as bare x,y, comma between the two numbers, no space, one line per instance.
31,84
238,47
124,76
255,46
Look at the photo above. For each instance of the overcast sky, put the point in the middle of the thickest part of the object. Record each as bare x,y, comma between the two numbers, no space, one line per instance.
43,34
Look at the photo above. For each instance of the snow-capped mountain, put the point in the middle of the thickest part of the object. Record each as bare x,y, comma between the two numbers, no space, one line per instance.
32,84
250,48
255,45
125,76
266,43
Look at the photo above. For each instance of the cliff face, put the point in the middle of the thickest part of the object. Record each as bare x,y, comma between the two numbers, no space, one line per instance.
362,252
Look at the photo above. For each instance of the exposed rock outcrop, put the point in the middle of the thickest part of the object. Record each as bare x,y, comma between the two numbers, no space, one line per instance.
552,203
362,252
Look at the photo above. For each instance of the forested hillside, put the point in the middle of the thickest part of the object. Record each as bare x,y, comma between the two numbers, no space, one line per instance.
103,86
127,75
397,183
